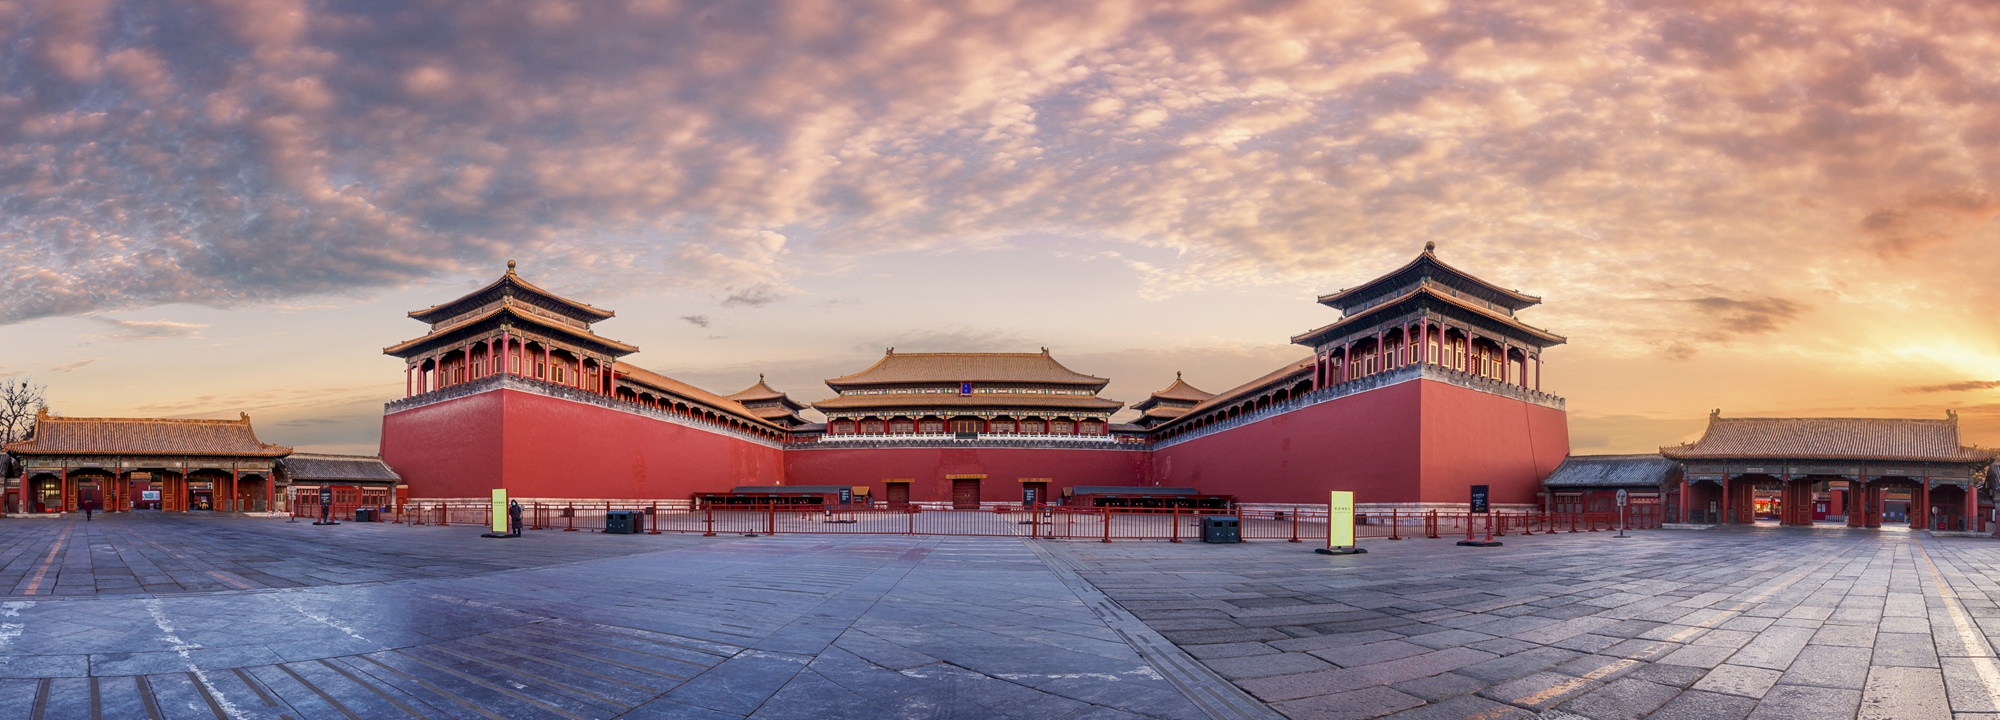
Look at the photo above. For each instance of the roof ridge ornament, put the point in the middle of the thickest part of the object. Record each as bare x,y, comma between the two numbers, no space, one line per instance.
1430,247
510,267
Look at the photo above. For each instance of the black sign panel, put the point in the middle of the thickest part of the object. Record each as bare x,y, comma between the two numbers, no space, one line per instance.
846,496
326,496
1027,496
1479,504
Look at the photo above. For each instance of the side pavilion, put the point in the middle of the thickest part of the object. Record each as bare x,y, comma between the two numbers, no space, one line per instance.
1852,460
117,463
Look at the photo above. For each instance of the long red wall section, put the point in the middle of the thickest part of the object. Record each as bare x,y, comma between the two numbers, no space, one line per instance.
539,446
1415,441
928,468
1475,438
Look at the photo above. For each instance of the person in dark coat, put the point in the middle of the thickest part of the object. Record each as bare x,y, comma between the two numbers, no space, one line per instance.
514,517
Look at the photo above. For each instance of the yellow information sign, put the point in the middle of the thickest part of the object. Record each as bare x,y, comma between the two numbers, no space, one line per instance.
500,511
1340,519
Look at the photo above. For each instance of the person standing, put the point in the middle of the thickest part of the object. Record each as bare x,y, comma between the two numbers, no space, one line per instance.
87,505
514,518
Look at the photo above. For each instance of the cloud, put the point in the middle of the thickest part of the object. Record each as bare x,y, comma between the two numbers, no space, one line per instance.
147,329
74,365
1928,219
1960,386
1751,316
754,296
956,338
228,153
696,320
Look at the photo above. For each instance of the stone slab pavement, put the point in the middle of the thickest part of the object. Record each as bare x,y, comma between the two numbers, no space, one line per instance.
365,621
794,626
1761,622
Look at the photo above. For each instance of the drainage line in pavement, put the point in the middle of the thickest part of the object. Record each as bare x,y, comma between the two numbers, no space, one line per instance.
1215,696
1975,644
43,571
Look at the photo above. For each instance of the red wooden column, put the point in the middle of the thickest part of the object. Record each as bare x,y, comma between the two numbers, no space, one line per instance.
1920,510
506,353
1854,502
1684,498
1973,507
63,502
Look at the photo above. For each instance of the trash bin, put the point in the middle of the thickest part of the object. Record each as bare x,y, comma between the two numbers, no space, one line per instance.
366,515
621,522
1221,529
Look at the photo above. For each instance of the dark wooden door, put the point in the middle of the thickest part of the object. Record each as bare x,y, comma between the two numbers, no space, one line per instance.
899,495
965,494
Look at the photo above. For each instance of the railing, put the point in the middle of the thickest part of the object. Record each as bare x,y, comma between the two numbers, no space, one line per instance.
1299,524
308,509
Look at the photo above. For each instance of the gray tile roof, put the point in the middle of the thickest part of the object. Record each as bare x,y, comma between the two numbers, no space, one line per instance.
1611,471
317,467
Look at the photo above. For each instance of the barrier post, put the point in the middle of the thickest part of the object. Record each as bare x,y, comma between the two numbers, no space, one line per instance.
771,519
912,512
1177,524
1107,524
709,513
1468,526
653,519
572,518
444,514
1590,522
1295,523
1431,526
1489,527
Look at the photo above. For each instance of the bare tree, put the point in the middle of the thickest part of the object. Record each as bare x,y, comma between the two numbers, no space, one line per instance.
20,401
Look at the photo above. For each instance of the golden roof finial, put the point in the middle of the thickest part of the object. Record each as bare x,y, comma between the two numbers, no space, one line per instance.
510,267
760,377
1430,246
1177,374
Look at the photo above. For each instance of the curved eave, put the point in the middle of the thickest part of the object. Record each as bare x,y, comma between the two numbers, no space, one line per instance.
904,402
1307,338
271,452
1687,454
426,314
531,319
1515,295
860,379
1283,377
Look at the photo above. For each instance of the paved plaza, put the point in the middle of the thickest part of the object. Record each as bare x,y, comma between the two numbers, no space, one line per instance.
160,616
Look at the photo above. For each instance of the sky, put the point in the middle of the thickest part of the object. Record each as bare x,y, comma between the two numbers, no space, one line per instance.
1767,208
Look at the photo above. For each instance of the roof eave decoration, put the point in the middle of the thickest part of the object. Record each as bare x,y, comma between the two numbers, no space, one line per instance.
1429,255
1307,338
510,278
515,314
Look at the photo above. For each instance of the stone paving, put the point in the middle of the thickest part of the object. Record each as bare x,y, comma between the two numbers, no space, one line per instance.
792,626
148,553
367,621
1760,623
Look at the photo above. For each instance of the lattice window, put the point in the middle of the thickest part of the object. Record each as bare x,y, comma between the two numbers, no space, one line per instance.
901,426
1092,427
1003,426
965,426
1062,427
871,427
931,427
1033,427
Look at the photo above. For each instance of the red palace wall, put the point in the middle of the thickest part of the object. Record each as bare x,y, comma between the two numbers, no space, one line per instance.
928,468
539,446
1415,441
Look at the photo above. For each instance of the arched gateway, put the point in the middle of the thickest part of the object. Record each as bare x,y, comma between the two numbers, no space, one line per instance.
1863,471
